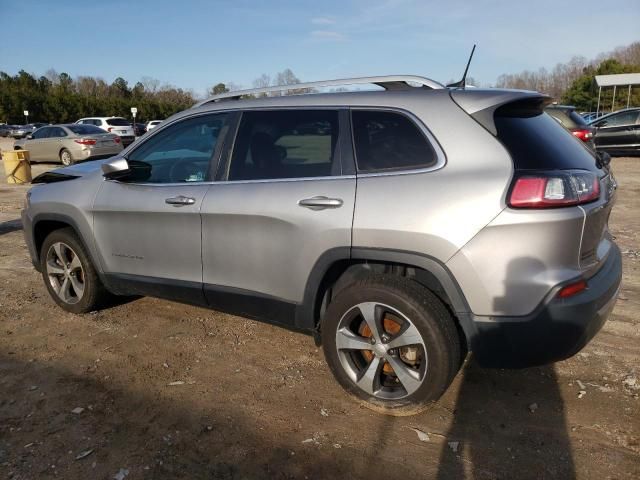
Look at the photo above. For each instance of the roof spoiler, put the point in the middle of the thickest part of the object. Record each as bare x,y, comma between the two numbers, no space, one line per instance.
483,104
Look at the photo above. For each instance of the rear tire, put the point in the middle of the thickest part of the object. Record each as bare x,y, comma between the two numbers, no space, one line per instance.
69,275
417,352
66,158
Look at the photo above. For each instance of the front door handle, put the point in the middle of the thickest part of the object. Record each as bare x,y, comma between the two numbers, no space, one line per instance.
320,203
180,200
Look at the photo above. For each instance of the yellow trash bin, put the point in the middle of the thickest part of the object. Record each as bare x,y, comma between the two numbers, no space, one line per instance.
16,166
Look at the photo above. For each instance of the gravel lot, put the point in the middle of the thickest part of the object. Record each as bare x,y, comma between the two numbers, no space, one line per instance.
164,390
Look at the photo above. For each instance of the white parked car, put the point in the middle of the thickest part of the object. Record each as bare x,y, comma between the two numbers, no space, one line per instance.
151,124
117,125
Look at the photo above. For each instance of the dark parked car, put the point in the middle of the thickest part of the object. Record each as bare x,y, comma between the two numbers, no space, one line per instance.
592,116
5,130
619,132
139,129
572,121
21,131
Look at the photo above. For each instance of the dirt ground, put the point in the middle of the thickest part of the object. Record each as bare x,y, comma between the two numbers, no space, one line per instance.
257,401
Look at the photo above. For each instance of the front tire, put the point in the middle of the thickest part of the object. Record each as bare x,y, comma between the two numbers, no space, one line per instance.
391,343
69,275
66,158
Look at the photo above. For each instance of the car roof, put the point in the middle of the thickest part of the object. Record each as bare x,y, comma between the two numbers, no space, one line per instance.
630,109
472,100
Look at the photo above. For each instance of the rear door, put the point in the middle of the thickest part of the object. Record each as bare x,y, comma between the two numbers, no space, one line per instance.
147,226
285,198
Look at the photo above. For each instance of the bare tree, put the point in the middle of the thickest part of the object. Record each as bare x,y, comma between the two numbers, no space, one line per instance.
150,84
262,81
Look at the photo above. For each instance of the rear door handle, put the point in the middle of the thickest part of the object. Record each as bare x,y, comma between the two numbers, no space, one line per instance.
320,203
180,200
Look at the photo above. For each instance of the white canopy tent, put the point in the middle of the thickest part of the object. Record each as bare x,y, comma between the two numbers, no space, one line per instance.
617,80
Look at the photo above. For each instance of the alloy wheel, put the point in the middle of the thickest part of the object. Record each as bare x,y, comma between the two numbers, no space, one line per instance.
381,350
65,273
65,157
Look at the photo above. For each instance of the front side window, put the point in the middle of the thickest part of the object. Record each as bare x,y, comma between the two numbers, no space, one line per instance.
181,152
387,141
285,144
41,133
624,118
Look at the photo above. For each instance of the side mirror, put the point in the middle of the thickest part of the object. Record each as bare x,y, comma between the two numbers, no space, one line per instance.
29,137
116,168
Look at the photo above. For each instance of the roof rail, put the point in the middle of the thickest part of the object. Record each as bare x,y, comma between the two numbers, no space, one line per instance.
388,82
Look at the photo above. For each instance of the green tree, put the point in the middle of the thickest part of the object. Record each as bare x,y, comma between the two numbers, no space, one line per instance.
583,92
218,89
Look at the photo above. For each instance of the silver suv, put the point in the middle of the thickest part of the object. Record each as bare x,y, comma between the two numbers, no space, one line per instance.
401,227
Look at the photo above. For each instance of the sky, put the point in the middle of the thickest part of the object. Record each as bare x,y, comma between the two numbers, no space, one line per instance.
194,44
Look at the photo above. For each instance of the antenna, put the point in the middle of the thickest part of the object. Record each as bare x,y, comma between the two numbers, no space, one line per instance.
463,82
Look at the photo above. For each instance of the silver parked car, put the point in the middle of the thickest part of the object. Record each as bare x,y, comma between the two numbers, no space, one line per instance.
69,144
401,228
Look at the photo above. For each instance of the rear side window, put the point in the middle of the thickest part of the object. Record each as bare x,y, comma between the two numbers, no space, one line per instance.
285,144
117,122
624,118
57,132
538,142
389,141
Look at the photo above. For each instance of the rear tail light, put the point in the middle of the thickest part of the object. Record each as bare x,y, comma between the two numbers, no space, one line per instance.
572,289
117,139
554,189
109,129
583,134
86,141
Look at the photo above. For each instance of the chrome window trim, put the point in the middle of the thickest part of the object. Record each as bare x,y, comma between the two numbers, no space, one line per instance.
225,182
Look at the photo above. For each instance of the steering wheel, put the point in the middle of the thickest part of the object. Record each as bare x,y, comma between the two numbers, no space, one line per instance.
182,169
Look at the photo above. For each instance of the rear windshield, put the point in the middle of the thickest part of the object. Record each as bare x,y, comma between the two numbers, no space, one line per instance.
118,122
538,142
568,118
81,129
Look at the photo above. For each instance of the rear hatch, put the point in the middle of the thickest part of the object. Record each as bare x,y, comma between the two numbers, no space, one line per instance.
541,148
120,127
538,144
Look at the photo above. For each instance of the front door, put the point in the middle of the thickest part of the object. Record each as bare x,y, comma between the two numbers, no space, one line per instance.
147,225
37,144
617,130
284,199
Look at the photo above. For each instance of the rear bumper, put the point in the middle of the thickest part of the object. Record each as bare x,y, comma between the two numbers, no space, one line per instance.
558,329
127,140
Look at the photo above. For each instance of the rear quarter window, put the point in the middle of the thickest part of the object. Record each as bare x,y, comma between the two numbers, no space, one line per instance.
388,141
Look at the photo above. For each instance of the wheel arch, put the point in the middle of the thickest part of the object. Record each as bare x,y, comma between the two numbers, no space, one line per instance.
340,267
45,223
